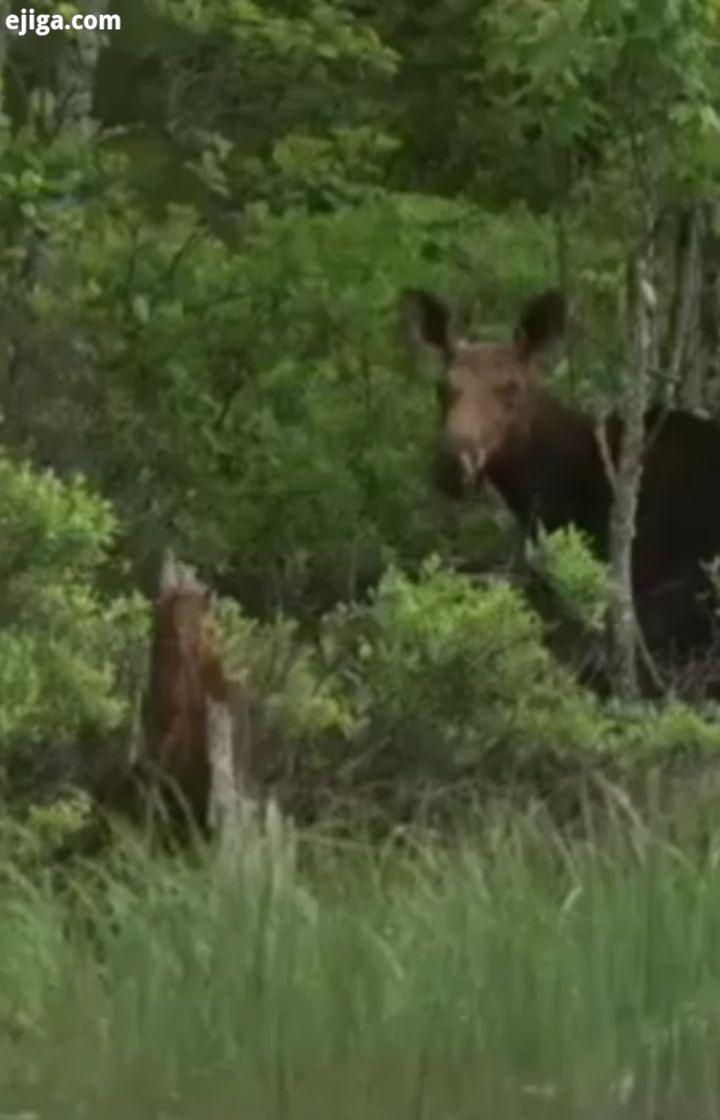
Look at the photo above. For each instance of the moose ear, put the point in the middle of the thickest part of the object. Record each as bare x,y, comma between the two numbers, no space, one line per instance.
430,320
542,322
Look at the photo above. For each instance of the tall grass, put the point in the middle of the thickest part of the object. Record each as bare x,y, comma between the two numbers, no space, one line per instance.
510,975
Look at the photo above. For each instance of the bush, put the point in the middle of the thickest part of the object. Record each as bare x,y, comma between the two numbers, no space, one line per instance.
63,649
581,581
453,680
253,402
440,682
295,701
434,681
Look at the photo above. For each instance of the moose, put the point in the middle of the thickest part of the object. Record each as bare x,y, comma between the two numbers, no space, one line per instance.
548,463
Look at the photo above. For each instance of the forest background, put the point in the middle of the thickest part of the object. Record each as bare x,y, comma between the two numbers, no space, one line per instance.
207,220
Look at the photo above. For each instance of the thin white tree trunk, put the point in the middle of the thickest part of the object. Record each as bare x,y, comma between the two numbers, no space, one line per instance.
4,36
685,369
709,311
75,80
232,808
627,476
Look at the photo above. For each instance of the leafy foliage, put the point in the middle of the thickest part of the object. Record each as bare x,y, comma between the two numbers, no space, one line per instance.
198,302
454,679
255,448
62,647
580,579
441,684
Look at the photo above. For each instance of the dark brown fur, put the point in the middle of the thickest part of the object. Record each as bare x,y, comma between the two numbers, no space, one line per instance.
499,424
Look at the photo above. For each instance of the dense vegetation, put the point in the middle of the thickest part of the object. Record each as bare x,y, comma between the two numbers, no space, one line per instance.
206,220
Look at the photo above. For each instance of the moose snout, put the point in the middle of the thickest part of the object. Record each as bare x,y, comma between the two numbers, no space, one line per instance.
458,469
472,461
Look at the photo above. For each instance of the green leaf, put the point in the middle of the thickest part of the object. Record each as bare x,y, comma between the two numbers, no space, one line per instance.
141,308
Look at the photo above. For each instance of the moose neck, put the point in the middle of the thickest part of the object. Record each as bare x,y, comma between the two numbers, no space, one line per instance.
550,471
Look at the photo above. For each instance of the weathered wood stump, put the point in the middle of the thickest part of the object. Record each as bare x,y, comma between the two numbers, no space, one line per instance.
195,729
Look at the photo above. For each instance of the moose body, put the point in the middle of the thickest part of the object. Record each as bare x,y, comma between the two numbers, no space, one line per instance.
548,463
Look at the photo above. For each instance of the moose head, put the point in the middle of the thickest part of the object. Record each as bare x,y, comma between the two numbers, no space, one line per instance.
484,388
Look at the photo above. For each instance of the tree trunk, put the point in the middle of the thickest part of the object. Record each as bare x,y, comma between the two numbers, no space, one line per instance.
232,807
186,677
684,371
709,311
562,159
627,476
75,78
197,731
5,9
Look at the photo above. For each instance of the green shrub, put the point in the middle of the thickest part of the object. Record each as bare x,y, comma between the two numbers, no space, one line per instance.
254,402
581,580
440,681
293,698
63,648
453,680
672,736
